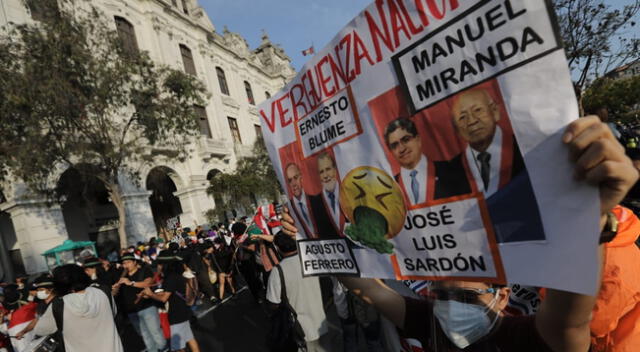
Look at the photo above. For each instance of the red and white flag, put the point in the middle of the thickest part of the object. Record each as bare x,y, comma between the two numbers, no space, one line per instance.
309,51
20,319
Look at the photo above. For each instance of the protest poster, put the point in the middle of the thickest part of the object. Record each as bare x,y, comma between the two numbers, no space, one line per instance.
425,137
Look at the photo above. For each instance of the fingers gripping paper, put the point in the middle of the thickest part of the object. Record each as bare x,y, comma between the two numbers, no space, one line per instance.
417,146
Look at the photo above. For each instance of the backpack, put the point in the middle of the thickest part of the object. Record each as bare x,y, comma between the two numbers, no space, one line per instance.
55,341
286,334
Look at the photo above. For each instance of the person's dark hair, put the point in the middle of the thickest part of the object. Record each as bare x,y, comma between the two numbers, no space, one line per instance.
239,228
12,297
69,278
173,267
285,243
403,123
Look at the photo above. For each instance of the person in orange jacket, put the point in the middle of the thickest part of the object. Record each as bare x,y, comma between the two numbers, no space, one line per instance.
615,327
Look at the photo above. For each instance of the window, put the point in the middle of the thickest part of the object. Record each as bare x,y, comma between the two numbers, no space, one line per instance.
222,79
187,60
203,121
266,94
235,131
41,10
258,131
127,36
247,88
185,7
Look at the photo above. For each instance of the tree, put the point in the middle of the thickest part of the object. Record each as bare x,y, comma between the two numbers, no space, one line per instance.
253,177
73,95
621,97
595,36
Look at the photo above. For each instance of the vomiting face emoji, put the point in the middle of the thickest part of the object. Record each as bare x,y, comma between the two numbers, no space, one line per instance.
373,203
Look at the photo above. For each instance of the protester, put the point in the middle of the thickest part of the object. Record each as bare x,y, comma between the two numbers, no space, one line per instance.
141,311
222,260
615,325
303,293
43,286
468,315
20,314
86,314
173,293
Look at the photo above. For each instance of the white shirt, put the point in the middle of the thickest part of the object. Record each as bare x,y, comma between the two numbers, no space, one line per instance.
304,200
335,213
495,150
421,177
304,296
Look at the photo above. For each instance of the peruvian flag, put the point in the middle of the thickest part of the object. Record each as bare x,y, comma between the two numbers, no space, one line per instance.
309,51
20,318
267,220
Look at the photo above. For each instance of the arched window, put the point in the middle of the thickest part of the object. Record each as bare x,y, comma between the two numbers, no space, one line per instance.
247,88
127,35
266,94
222,79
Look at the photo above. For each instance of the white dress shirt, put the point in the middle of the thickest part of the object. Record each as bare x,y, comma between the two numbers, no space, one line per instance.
307,209
421,177
495,150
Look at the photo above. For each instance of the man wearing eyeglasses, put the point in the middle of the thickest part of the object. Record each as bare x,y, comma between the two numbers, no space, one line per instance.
468,316
417,173
497,166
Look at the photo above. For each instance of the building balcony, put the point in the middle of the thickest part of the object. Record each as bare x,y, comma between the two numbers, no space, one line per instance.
242,150
213,148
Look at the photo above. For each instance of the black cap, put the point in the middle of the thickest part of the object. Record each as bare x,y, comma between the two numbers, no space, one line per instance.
42,281
128,256
91,262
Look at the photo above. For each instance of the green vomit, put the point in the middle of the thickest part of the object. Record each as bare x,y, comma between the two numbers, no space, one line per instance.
369,230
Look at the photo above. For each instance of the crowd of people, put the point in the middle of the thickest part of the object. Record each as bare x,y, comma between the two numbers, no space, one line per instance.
155,287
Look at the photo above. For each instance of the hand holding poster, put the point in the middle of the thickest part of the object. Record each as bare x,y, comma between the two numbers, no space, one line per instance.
425,140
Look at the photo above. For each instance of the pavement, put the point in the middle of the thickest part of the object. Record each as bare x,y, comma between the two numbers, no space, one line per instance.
239,324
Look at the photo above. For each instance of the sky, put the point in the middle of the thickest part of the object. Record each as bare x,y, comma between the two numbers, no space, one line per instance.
294,24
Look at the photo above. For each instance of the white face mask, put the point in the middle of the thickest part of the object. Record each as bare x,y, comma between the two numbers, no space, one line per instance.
42,295
94,276
464,323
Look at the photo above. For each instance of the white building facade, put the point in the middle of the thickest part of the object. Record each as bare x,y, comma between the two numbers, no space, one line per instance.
177,33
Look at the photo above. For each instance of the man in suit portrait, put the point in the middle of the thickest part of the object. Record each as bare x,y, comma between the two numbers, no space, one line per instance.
497,166
300,202
325,206
417,173
475,117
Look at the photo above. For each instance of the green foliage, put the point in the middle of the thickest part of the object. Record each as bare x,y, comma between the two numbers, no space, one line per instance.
254,178
621,97
70,94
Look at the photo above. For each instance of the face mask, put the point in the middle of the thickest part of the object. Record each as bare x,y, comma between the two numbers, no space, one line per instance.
30,298
20,286
464,323
42,295
94,276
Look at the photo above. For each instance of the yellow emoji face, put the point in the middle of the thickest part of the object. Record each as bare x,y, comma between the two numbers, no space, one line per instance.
372,188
